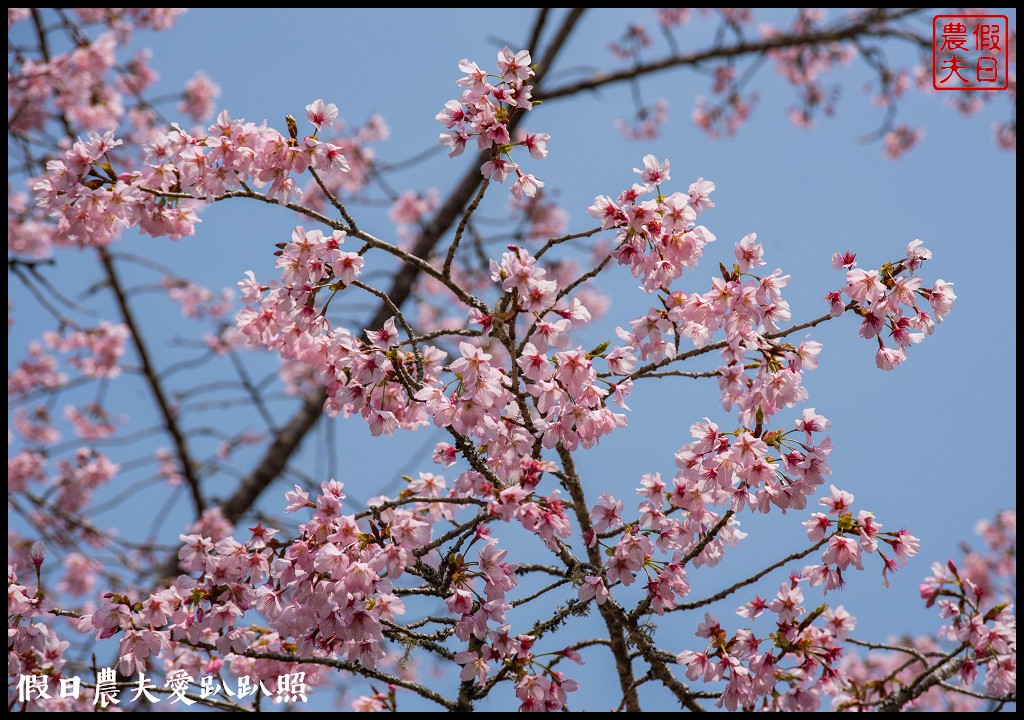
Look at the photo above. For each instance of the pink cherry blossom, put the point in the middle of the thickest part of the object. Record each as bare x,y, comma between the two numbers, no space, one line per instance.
320,114
593,587
654,172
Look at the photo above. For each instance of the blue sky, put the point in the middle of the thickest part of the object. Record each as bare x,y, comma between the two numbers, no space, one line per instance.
930,446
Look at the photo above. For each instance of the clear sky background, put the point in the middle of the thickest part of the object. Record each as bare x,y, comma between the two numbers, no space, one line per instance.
930,446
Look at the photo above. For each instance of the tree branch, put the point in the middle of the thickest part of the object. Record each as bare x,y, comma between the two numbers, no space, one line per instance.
612,619
355,668
948,666
844,30
152,380
748,581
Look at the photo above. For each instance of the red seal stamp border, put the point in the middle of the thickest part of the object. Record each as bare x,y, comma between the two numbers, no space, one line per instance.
1004,70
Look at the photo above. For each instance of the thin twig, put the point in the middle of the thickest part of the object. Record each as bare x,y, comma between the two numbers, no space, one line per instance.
565,238
155,386
750,580
869,25
446,270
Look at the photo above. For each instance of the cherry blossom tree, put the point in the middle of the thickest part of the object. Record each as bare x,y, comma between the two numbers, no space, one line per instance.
498,573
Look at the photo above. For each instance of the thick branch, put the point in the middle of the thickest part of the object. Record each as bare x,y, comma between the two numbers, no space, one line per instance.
613,616
937,673
661,671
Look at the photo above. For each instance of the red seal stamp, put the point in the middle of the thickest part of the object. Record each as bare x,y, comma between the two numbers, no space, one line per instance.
970,52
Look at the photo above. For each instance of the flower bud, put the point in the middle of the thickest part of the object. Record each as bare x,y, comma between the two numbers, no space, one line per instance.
38,553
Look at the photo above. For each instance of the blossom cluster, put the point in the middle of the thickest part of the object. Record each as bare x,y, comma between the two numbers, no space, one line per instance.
485,110
799,662
973,596
888,298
